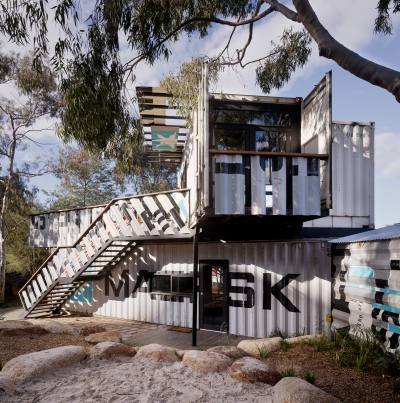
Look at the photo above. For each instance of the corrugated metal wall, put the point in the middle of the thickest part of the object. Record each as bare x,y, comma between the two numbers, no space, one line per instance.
352,159
367,287
61,228
288,286
353,170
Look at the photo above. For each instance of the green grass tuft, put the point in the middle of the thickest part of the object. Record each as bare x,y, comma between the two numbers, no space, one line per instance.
309,377
288,372
284,345
263,351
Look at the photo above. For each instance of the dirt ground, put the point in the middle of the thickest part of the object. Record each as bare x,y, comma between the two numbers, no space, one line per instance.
347,384
12,346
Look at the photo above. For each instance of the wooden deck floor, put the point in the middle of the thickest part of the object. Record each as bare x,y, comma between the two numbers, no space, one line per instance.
138,333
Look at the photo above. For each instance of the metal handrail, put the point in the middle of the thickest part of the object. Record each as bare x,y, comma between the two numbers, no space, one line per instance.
106,208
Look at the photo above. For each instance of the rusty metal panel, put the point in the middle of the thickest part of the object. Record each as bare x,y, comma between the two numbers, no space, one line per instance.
366,288
282,285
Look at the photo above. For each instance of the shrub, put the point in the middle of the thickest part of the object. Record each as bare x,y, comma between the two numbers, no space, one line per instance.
263,351
288,372
285,345
309,377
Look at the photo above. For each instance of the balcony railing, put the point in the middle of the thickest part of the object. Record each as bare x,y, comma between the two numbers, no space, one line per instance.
266,183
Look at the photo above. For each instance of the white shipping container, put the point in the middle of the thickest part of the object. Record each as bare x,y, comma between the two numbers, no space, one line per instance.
271,286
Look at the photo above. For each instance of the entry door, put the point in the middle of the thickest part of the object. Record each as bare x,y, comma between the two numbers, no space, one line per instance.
214,294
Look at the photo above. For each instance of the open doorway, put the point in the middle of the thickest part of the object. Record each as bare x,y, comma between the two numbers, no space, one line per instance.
214,294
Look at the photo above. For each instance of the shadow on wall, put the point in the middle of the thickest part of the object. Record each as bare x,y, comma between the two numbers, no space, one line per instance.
366,292
271,284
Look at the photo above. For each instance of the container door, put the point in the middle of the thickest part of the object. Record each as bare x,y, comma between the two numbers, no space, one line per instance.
316,130
214,295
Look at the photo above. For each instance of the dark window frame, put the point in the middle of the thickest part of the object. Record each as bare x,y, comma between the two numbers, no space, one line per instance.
172,293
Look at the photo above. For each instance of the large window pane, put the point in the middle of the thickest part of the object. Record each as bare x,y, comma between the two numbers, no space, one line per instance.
270,140
260,118
230,138
161,283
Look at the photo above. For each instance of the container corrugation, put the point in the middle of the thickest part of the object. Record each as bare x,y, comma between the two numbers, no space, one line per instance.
61,228
353,170
352,177
366,288
283,277
380,234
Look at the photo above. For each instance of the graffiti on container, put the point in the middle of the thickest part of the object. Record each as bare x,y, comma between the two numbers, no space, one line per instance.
122,287
361,299
84,294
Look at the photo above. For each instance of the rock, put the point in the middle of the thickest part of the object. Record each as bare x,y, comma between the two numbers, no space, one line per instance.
85,330
296,390
301,339
110,349
33,364
20,328
257,347
157,352
230,351
251,370
6,385
180,353
104,336
206,361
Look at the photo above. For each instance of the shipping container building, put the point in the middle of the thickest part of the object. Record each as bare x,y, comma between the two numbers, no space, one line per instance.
241,245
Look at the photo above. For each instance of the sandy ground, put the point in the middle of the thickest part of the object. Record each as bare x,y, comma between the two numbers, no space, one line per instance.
137,380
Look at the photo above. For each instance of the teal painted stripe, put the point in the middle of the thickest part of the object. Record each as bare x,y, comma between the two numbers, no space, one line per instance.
393,328
375,289
361,271
386,308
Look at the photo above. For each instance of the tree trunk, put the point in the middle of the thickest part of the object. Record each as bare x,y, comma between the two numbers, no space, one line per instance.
330,48
3,213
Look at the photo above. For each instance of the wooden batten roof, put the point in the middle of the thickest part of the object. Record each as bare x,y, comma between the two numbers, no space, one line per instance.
164,130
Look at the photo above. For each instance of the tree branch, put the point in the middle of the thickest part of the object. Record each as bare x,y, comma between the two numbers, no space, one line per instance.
133,62
357,65
281,8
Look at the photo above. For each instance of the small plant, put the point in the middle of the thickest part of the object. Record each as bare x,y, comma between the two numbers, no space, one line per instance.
309,377
285,345
263,351
288,372
279,333
300,333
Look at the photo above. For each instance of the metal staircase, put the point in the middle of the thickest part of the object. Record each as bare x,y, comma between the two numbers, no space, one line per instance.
122,224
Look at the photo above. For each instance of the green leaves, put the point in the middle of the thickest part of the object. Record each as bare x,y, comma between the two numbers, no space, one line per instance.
290,53
86,179
184,86
383,22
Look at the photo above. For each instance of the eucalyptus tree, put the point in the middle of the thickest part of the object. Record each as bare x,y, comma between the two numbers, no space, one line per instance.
87,54
86,178
28,97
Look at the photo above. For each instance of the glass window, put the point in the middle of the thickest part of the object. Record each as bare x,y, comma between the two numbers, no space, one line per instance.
260,118
230,138
186,285
161,283
182,284
270,140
